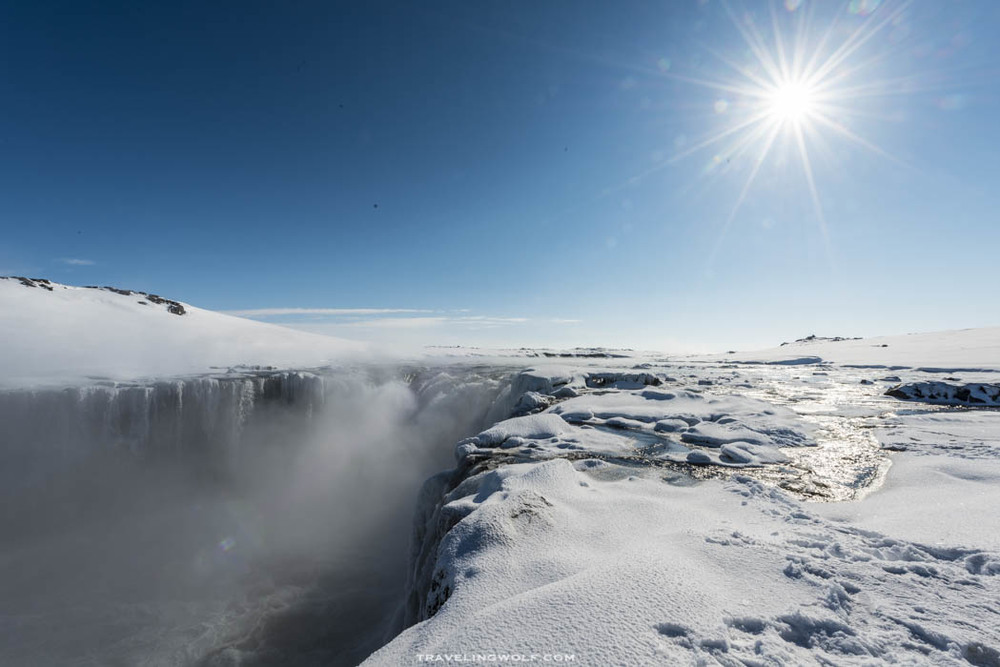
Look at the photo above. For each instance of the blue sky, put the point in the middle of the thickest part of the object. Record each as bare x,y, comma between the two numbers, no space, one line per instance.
511,173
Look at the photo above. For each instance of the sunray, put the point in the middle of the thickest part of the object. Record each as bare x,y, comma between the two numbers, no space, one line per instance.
737,151
844,73
813,192
799,43
912,85
800,89
719,136
779,44
755,44
831,110
715,85
860,141
820,47
775,129
857,39
762,83
745,144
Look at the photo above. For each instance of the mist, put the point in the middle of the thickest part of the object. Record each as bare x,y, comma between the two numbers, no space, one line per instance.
261,519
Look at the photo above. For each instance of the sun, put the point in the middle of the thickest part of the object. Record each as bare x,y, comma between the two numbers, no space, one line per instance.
788,89
792,101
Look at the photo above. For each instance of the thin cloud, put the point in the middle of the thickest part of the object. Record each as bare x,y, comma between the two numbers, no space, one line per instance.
491,320
474,322
400,322
74,261
393,318
274,312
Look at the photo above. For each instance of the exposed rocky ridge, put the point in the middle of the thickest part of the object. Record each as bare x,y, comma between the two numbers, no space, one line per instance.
30,282
172,307
813,338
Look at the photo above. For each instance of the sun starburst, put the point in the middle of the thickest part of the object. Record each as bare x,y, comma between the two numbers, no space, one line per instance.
798,83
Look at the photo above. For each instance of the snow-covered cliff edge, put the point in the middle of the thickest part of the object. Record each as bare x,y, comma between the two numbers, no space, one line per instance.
664,515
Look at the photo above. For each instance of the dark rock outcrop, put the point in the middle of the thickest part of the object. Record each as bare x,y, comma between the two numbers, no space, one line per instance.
979,394
172,307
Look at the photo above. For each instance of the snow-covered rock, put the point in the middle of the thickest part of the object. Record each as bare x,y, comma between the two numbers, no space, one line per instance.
982,394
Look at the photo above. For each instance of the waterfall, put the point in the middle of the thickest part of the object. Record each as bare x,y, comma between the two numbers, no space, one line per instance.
241,498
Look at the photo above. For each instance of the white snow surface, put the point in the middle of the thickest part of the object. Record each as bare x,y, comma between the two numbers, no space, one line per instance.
590,541
969,349
647,510
611,567
70,334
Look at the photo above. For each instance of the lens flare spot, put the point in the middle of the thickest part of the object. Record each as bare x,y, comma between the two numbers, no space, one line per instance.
863,7
227,544
721,106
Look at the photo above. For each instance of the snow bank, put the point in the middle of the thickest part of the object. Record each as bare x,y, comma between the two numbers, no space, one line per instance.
934,499
52,333
609,564
946,351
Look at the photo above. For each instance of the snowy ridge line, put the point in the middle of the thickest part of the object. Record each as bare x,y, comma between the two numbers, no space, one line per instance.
172,307
31,282
964,350
60,335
